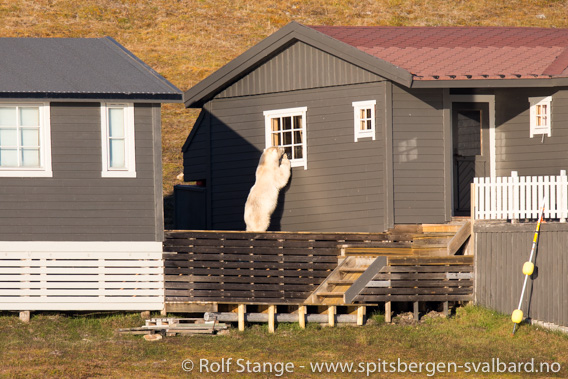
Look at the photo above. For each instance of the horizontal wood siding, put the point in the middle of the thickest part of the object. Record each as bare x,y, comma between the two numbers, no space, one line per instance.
342,188
81,276
300,66
418,156
196,153
77,204
229,267
515,150
502,249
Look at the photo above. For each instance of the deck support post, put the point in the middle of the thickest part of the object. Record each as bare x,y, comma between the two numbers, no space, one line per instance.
145,315
331,310
302,316
388,312
25,316
242,308
361,311
271,314
416,311
446,308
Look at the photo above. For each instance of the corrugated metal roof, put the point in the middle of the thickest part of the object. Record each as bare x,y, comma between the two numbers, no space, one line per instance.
462,53
78,68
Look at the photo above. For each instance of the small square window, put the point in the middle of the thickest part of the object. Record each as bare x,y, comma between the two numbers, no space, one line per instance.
364,114
25,141
287,128
540,114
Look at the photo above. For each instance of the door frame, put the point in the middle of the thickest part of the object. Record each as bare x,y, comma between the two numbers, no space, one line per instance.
490,100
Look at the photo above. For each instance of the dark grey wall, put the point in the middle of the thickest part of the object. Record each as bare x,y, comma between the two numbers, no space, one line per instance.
77,204
342,189
501,250
300,66
419,162
515,150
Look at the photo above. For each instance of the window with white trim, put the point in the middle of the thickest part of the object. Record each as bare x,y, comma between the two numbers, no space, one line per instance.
540,114
25,140
117,133
364,116
287,128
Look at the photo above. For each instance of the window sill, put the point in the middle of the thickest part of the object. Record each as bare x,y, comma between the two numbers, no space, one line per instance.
118,174
26,173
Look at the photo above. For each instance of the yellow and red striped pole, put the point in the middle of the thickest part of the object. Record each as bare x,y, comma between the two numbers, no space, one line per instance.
528,269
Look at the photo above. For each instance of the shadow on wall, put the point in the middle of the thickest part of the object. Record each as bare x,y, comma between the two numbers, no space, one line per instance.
227,162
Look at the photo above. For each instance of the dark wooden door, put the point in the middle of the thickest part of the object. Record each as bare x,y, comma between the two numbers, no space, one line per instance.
470,124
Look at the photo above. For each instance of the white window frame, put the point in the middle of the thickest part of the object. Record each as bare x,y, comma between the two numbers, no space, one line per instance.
289,112
357,107
45,169
129,149
540,129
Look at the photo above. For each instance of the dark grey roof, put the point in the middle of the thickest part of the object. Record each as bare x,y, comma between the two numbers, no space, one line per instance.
86,68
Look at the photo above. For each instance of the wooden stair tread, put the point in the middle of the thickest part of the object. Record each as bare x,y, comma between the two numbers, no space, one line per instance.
330,293
342,281
353,269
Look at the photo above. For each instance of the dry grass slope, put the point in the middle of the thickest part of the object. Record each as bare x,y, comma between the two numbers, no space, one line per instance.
186,40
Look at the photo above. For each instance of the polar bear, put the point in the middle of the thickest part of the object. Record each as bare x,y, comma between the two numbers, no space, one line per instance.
272,174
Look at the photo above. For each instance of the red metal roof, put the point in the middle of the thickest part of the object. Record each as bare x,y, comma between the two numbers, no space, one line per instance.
446,53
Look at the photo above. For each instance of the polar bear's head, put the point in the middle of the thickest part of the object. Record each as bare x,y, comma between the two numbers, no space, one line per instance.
271,156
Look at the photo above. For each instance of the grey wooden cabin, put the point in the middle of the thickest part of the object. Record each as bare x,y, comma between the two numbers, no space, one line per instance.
80,176
385,125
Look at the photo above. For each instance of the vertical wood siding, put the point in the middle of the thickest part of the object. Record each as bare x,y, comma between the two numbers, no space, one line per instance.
342,188
501,250
300,66
515,150
77,204
418,156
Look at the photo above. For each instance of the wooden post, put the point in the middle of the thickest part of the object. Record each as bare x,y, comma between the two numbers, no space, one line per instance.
302,316
361,311
164,312
145,315
271,314
25,316
446,308
242,308
331,315
416,311
388,312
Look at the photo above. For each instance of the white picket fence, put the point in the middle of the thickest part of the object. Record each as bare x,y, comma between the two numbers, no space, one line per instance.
520,197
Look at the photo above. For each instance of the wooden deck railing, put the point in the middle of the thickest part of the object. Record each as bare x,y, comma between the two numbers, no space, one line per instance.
253,268
519,197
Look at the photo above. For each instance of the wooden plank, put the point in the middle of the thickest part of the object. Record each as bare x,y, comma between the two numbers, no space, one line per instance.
417,291
439,298
241,317
420,283
247,272
174,280
413,261
271,313
400,269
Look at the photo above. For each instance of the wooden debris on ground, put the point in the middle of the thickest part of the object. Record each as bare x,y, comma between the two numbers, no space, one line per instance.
176,326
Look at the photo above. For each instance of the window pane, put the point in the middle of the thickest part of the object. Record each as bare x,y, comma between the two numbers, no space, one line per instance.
8,116
369,125
363,125
30,137
297,137
8,157
116,122
275,124
298,154
276,139
369,113
297,122
30,157
287,123
287,138
288,150
8,137
29,116
117,153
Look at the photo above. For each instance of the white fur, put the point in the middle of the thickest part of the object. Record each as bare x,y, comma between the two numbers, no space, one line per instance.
272,174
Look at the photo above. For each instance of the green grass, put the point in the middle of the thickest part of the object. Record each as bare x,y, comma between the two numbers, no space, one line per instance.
187,40
54,345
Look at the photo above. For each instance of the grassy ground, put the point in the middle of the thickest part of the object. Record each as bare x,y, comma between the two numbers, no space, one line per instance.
88,346
186,40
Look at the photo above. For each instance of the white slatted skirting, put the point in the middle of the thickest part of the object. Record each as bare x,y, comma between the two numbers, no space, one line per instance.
520,197
81,276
